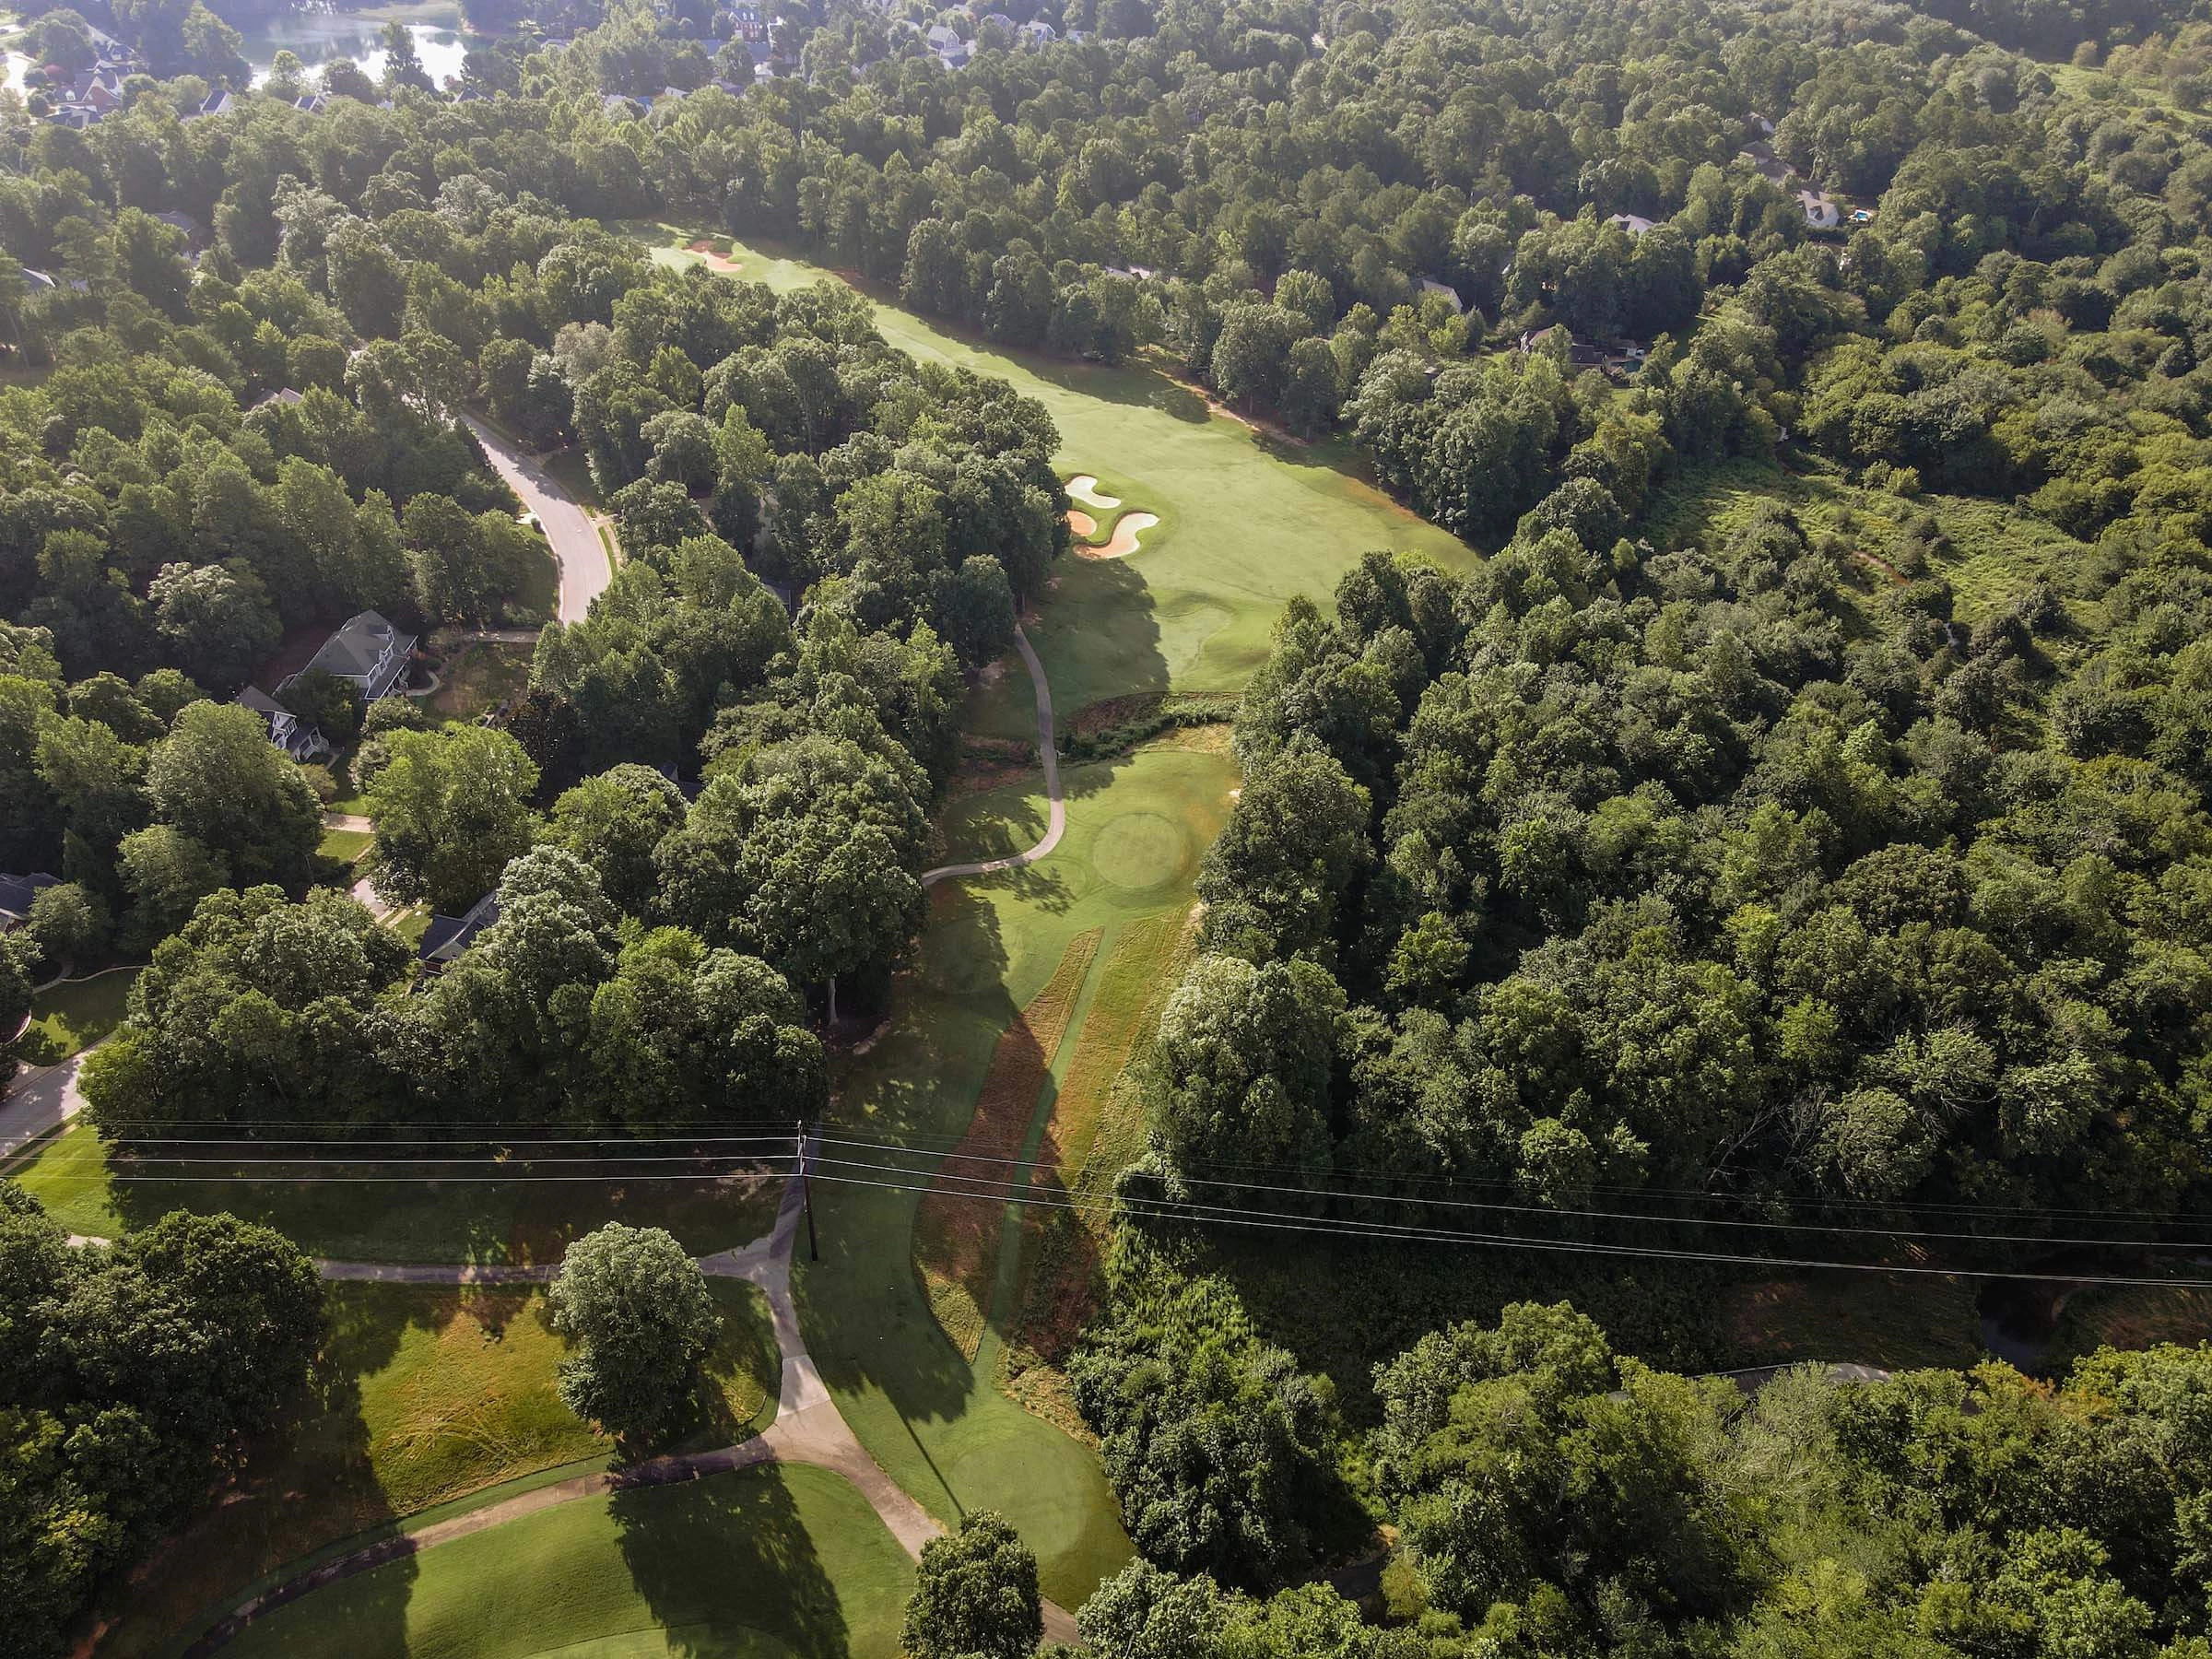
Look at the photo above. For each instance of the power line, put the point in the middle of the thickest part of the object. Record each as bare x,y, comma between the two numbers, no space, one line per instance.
1002,1192
524,1160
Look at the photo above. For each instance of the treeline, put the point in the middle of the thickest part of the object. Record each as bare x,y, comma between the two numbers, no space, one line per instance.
1552,1498
132,1376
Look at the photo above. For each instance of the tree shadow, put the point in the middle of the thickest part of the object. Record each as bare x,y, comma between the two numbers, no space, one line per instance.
718,1558
307,1507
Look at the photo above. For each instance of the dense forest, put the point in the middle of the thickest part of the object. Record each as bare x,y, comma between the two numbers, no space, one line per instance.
1799,813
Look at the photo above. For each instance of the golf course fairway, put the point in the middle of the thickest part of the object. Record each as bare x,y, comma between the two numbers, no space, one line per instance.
781,1562
1246,521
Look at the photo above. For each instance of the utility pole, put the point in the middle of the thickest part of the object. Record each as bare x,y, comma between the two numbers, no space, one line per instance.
814,1250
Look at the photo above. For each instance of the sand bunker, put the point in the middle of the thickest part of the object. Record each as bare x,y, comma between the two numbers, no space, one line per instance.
1085,489
712,260
1081,523
1125,529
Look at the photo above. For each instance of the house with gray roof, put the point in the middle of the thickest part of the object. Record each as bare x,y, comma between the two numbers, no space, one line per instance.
301,739
448,936
15,894
368,652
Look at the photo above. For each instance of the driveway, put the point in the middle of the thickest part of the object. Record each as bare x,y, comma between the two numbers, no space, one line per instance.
584,570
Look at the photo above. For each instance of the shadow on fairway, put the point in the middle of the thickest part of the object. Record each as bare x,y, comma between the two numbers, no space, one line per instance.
726,1558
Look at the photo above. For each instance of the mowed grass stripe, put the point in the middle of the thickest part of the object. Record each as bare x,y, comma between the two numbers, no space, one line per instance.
956,1236
1095,1130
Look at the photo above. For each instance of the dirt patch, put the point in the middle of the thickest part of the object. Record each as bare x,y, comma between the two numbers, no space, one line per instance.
1081,523
1125,531
957,1235
991,763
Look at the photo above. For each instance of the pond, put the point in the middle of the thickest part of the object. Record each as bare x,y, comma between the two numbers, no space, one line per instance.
316,37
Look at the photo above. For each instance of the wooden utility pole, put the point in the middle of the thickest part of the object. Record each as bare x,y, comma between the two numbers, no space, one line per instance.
814,1250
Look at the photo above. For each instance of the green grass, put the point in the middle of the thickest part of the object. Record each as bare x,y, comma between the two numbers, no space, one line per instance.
347,845
936,1421
1245,522
769,1563
424,1397
400,1221
75,1014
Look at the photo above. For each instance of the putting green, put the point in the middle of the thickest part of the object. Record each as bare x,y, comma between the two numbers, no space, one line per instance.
761,1564
1249,521
1141,851
936,1421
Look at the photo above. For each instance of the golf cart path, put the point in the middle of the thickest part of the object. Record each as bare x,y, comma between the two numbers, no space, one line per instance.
584,569
808,1429
1057,816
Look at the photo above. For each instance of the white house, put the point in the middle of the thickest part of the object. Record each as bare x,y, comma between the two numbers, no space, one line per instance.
1820,210
1635,224
297,738
368,651
1445,293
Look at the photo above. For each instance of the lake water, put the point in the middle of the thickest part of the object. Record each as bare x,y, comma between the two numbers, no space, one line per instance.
317,36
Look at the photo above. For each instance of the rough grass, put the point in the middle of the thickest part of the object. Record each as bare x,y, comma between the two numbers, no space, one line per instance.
1895,1323
956,1235
1094,1131
2129,1316
476,678
483,1221
765,1563
425,1397
73,1015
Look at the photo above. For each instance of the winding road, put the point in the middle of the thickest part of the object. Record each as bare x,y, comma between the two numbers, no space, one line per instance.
1056,813
584,566
808,1428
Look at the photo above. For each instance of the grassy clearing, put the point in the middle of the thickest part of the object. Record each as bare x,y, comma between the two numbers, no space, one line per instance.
476,678
424,1397
1247,521
487,1221
1991,552
347,846
935,1418
73,1015
2129,1316
768,1563
956,1236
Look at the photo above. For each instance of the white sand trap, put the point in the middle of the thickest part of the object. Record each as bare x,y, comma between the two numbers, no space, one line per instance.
1126,530
1081,523
1085,489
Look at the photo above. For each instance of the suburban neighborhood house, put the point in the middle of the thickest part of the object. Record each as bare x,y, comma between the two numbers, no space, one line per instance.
368,652
16,895
1820,210
299,739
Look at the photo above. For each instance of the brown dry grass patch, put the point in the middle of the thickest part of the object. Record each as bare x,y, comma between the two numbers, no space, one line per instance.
956,1236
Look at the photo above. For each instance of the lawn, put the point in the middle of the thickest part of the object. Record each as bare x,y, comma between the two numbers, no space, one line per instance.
1245,522
347,845
768,1563
75,1014
423,1397
934,1417
482,1221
